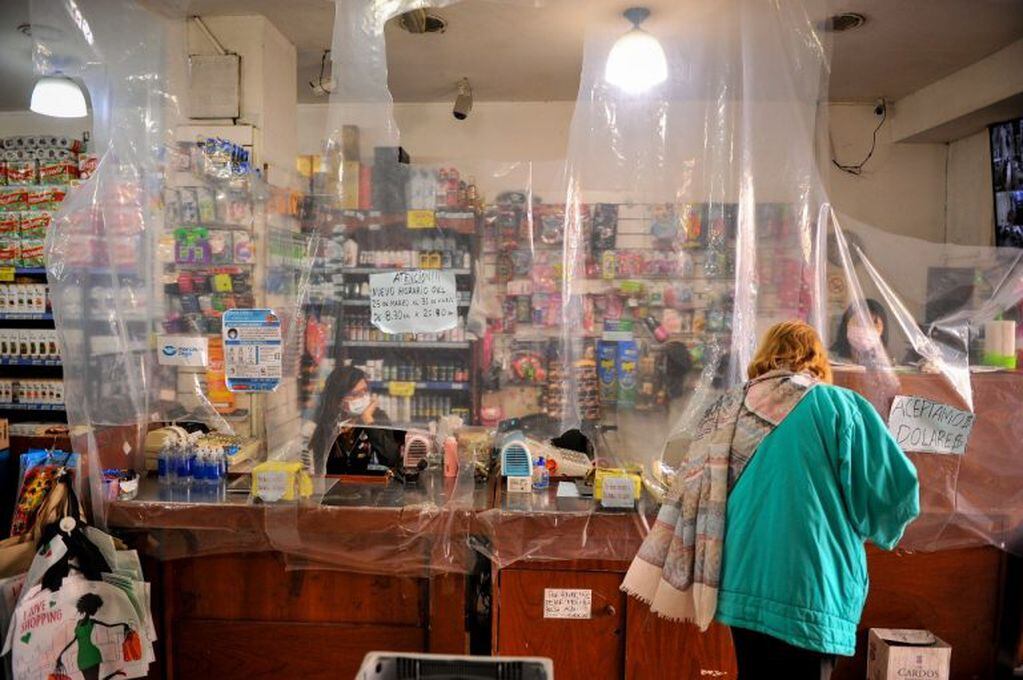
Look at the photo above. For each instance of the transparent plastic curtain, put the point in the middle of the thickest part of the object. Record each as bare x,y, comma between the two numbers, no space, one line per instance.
709,231
100,267
169,233
936,315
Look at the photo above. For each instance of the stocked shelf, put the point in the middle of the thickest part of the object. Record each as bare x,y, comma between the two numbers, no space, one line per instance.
424,385
29,362
23,271
406,345
381,270
31,407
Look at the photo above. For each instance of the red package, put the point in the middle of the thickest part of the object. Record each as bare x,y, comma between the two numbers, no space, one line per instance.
12,198
35,223
22,172
10,251
87,163
57,171
39,198
10,223
131,649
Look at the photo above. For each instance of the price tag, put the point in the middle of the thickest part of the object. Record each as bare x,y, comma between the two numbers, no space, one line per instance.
6,274
421,219
398,388
617,492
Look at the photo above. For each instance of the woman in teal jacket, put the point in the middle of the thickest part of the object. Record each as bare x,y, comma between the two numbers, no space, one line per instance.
765,528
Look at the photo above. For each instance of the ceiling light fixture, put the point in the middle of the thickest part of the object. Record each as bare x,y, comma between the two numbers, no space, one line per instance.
59,97
845,21
636,62
463,100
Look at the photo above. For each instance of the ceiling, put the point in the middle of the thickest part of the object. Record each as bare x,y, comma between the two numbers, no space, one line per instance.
904,45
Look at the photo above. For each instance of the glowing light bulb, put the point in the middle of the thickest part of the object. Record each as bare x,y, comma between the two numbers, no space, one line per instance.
58,96
636,62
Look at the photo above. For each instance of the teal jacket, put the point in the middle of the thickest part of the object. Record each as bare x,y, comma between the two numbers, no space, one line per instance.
825,480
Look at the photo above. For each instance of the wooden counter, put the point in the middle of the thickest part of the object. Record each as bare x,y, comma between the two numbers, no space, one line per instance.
259,591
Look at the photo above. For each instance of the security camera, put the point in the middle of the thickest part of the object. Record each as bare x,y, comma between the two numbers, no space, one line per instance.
880,107
463,101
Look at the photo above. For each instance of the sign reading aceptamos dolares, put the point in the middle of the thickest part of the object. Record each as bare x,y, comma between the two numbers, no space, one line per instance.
921,425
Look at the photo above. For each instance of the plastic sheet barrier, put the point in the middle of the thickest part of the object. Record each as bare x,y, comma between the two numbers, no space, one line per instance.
446,322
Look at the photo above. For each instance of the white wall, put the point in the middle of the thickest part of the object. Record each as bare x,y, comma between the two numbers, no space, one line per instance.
970,219
28,123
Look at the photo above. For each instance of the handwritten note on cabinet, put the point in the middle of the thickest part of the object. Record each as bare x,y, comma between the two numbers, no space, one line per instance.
924,426
413,301
567,603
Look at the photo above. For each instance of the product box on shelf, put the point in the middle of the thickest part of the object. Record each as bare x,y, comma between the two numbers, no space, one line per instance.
5,434
894,654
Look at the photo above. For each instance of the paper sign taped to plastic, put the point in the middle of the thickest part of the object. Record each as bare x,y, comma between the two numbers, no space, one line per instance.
413,301
183,350
925,426
618,492
252,350
567,603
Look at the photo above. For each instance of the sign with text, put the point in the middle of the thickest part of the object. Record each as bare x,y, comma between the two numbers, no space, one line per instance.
252,350
567,603
183,350
413,301
925,426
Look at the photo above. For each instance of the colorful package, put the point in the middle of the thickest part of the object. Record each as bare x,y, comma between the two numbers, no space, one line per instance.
607,370
10,251
221,246
32,252
10,223
57,171
34,224
38,198
244,252
22,172
12,199
37,474
87,164
628,356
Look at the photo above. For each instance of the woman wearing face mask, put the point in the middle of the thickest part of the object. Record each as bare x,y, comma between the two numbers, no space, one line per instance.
344,434
864,344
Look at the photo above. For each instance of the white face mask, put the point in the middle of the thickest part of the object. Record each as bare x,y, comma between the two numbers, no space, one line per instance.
863,339
358,405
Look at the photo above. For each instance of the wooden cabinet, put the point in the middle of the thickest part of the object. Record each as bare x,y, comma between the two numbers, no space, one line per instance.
593,648
246,616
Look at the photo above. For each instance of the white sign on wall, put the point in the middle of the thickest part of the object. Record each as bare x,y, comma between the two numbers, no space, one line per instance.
925,426
183,350
413,301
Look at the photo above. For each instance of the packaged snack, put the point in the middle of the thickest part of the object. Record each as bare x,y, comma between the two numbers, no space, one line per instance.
12,199
189,206
22,172
206,205
57,171
3,171
70,144
39,198
244,251
605,226
628,357
10,223
10,250
221,246
35,223
32,252
87,164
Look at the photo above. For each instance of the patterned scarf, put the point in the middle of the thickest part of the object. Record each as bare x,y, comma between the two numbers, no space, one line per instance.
677,570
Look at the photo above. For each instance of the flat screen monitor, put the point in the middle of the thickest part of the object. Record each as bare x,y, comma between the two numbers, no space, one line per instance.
1007,180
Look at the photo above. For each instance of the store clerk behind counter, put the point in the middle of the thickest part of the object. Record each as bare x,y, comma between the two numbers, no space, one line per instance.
349,428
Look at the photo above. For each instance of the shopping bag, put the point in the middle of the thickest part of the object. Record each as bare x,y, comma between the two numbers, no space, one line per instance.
59,672
17,552
132,647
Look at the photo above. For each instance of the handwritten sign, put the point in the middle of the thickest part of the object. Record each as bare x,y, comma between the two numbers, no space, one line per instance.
618,492
567,603
924,426
413,301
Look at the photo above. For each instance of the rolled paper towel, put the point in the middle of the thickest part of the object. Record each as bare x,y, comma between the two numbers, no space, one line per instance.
993,339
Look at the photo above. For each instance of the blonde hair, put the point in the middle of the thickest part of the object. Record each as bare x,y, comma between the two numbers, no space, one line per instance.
791,346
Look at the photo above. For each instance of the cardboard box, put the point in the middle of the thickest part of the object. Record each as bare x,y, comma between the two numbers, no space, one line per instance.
898,654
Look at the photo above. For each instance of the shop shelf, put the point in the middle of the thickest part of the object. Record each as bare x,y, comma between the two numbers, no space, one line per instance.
426,385
406,345
380,270
31,407
28,271
27,317
7,361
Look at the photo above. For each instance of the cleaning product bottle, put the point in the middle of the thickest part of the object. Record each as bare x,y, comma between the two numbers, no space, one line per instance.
450,457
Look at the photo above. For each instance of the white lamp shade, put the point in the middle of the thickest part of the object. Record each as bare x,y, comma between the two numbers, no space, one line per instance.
58,96
636,62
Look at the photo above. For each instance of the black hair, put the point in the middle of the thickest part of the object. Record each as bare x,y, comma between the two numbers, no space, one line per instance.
339,383
841,347
89,604
677,365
